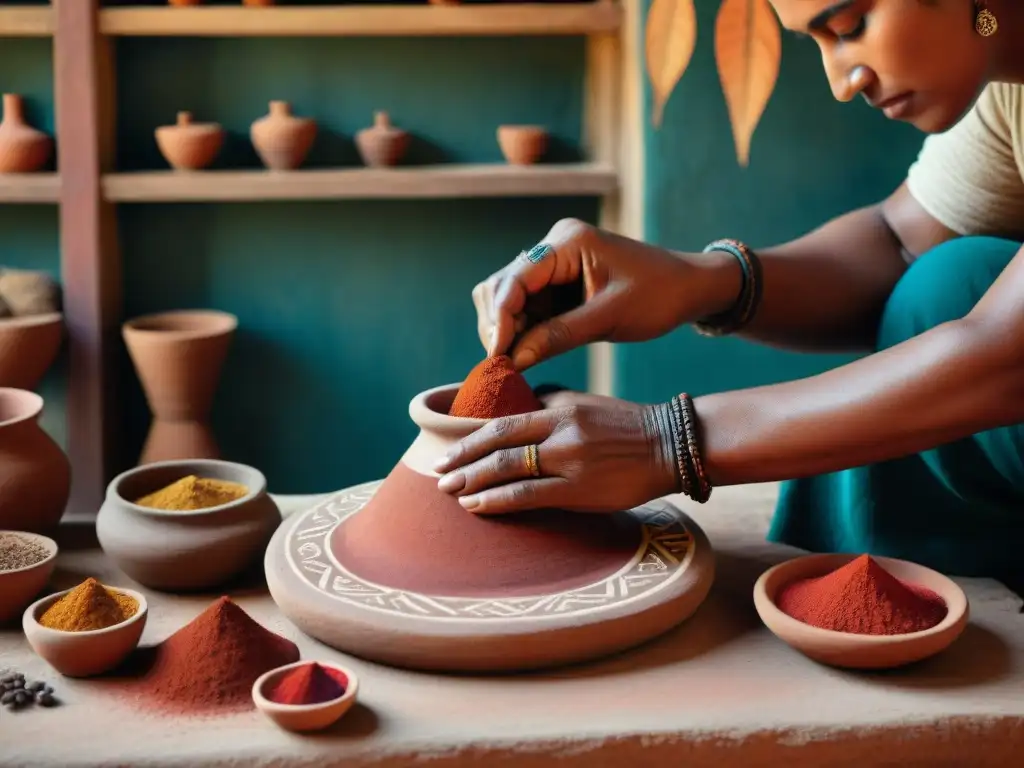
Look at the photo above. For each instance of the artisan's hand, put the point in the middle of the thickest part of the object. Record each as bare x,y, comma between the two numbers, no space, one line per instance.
598,455
584,284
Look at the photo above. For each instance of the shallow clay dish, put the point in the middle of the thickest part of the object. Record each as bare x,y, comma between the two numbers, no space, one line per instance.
84,654
853,651
304,717
20,586
184,551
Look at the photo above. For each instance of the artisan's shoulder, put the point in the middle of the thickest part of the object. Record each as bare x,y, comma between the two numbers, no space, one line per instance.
1007,104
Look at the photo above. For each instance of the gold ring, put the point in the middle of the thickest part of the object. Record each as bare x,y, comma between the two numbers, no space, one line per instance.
531,460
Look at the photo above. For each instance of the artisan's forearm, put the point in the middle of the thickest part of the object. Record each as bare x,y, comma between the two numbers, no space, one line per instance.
826,290
948,383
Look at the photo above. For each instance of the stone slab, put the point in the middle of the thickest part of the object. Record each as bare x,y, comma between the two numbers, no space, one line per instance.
720,690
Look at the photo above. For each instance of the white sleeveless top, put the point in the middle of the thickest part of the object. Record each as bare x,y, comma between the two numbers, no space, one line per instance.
971,178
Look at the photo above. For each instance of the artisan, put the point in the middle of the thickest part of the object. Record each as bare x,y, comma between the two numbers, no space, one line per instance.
913,450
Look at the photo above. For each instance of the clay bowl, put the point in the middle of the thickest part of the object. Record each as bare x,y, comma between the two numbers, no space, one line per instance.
304,717
853,651
20,586
522,144
187,145
28,347
84,654
185,551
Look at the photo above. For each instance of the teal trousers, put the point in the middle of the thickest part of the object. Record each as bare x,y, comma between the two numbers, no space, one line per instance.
958,508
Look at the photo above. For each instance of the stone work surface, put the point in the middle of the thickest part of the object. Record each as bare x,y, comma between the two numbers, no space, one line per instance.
720,690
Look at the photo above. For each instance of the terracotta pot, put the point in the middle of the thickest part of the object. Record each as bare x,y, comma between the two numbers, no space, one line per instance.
35,475
282,140
187,145
522,144
413,536
258,3
382,144
28,347
23,149
185,2
171,550
178,357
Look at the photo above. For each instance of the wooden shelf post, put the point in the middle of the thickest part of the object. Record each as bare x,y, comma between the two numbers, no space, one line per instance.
90,264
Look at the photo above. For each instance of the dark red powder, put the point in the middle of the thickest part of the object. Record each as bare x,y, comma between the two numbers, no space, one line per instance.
494,388
862,598
413,536
212,662
309,684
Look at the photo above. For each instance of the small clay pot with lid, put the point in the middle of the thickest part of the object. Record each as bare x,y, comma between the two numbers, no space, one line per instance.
522,144
382,144
281,139
187,145
23,149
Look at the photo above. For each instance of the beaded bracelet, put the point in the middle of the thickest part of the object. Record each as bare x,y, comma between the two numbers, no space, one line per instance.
742,312
675,415
687,438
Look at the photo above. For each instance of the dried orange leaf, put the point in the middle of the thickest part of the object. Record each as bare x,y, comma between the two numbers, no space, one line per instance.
748,48
671,36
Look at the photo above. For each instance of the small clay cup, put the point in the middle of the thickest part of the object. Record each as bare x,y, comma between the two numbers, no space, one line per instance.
522,144
29,345
850,650
187,145
304,717
382,144
19,587
185,551
84,654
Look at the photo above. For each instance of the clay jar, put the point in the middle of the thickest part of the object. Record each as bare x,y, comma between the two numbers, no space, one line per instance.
258,3
282,140
178,357
382,144
28,347
189,146
522,144
35,475
23,149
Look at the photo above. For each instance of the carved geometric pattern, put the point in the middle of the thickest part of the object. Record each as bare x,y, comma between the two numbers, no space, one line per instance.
664,552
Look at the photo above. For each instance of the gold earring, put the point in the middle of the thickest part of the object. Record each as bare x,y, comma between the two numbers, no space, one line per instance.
985,23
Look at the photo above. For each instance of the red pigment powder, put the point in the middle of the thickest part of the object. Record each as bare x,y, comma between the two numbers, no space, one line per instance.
494,388
211,663
412,536
309,684
863,598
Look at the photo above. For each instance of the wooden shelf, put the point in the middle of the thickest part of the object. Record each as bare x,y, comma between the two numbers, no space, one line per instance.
29,188
366,20
26,21
498,180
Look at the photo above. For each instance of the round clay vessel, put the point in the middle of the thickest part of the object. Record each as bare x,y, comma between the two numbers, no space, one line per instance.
28,347
188,145
20,586
522,144
302,718
855,651
87,653
398,572
382,144
182,3
282,140
190,550
36,475
23,149
258,3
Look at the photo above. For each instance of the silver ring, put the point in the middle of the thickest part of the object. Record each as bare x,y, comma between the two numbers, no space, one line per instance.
538,253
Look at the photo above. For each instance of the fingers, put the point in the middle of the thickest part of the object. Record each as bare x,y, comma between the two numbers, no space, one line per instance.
502,466
506,432
518,497
580,325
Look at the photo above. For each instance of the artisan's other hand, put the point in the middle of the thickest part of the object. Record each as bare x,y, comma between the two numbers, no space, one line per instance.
595,455
581,284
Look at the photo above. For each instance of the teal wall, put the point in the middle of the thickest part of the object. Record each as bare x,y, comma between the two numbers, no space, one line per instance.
347,309
29,235
812,158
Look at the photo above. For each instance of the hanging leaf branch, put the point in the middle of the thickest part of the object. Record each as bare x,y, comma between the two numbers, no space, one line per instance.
748,50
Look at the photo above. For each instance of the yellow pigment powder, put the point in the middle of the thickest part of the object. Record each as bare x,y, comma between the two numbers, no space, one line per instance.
87,607
191,493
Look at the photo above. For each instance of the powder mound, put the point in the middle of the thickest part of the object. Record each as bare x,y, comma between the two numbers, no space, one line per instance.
494,388
192,493
87,607
309,684
212,662
862,598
